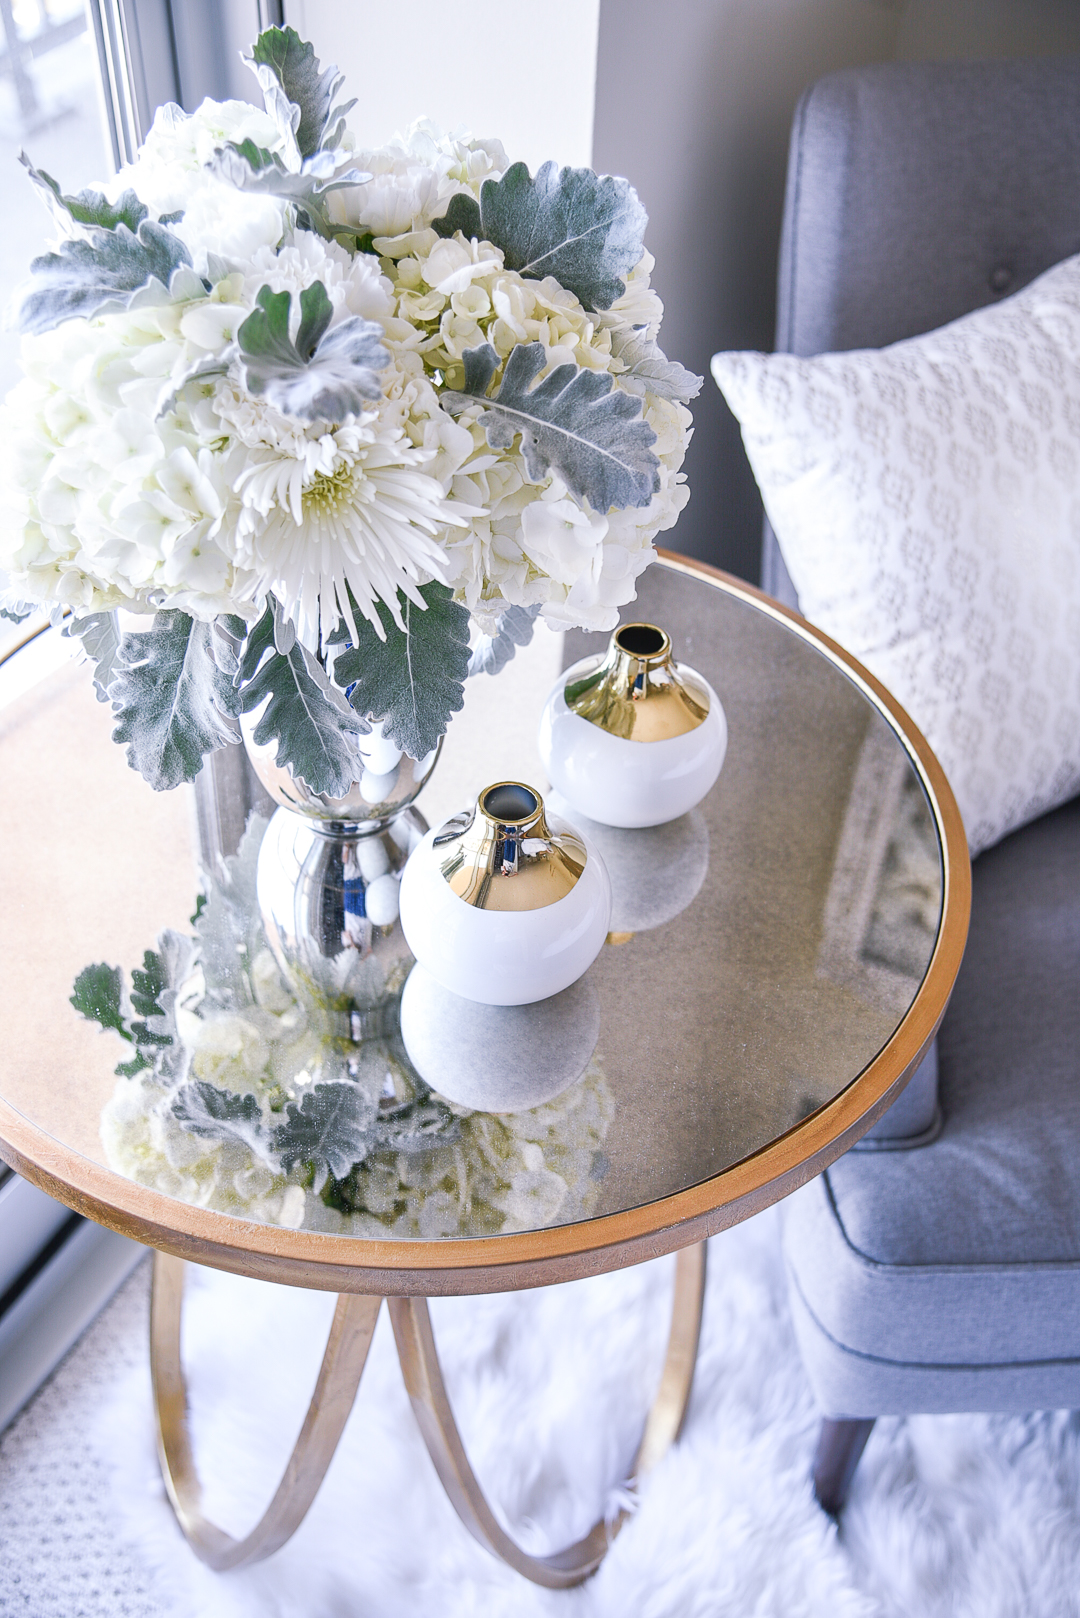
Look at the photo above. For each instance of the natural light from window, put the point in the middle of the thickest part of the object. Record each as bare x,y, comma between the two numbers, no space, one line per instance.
49,107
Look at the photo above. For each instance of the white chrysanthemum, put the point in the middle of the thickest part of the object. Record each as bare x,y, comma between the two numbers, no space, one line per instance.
323,508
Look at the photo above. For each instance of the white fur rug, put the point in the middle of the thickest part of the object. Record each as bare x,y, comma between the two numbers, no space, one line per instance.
960,1517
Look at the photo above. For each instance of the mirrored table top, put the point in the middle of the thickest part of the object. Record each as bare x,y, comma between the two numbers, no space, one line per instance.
778,963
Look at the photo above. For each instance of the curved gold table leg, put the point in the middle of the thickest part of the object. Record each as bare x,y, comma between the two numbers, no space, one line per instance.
423,1379
338,1379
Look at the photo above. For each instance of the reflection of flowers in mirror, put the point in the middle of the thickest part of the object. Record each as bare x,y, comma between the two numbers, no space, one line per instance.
249,1097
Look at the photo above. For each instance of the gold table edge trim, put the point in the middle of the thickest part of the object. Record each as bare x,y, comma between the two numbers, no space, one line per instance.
332,1401
561,1252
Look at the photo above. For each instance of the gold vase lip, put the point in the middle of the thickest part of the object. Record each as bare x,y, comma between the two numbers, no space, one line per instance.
503,855
637,691
511,804
647,643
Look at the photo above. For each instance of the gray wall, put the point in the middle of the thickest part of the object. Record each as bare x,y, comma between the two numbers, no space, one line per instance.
694,100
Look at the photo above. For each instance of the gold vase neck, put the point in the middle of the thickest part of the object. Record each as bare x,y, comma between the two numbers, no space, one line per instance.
502,855
637,691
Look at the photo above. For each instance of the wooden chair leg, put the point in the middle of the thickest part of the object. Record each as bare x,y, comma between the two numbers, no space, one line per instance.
840,1444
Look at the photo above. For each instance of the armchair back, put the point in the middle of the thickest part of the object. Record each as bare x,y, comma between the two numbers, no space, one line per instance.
917,192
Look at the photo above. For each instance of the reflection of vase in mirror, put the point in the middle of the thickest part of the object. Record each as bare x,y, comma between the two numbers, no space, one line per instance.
498,1058
655,871
329,872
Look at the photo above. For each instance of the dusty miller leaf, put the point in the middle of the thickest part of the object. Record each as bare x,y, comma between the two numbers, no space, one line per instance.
248,167
99,994
166,973
492,652
228,927
323,375
313,725
101,270
648,367
139,1062
227,634
260,640
147,983
216,1114
172,702
329,1130
279,56
585,229
284,628
574,423
88,207
99,997
414,682
100,636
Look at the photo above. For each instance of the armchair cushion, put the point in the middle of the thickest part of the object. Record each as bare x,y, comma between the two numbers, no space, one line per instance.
949,1278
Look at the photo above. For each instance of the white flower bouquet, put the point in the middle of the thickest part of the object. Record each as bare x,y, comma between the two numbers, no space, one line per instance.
315,408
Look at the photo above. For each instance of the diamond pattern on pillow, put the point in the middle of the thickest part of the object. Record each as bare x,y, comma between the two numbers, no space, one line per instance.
926,499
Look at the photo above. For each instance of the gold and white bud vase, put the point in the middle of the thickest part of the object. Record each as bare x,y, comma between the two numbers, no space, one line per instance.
503,904
633,738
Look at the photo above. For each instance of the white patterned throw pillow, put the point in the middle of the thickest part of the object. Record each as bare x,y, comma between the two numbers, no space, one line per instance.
926,498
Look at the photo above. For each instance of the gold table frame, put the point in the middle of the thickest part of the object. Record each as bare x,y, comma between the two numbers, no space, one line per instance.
407,1273
335,1390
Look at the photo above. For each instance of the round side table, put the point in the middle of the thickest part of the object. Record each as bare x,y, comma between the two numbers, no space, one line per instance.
745,1041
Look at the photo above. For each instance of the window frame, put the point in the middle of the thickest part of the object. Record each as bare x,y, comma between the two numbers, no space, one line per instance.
151,52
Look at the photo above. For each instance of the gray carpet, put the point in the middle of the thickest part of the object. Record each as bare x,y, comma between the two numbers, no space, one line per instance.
59,1556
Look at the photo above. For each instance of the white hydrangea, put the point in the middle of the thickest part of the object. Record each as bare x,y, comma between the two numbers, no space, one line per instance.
504,1172
144,1141
108,506
534,545
249,1034
170,176
179,145
413,178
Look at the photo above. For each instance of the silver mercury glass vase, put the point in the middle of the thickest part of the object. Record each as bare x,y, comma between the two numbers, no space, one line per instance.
328,877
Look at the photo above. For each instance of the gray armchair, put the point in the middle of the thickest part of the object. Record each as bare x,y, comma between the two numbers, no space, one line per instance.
944,1275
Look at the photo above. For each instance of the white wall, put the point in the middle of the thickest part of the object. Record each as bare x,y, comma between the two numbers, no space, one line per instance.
521,70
